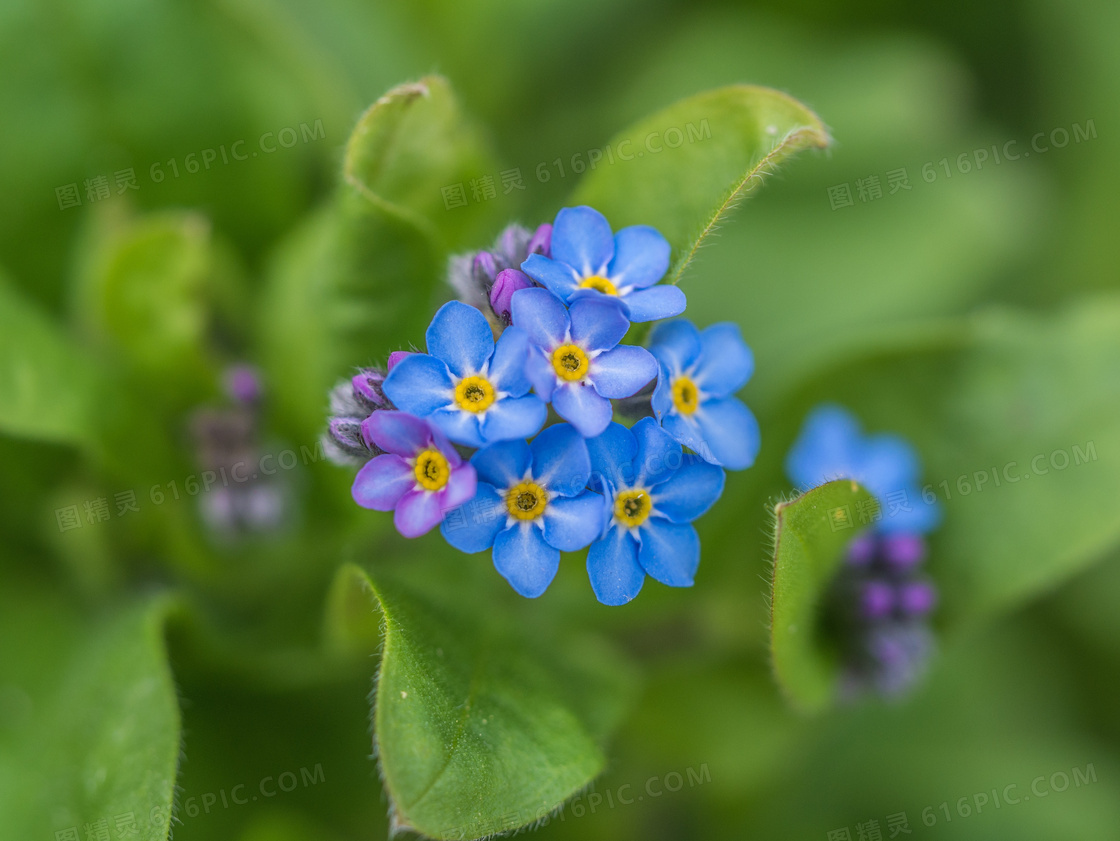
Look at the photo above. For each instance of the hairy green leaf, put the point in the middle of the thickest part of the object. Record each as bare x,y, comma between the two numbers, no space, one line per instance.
684,168
811,533
482,723
356,282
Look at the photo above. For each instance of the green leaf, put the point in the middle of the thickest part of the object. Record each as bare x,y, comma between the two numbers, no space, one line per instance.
1017,422
730,139
356,282
47,386
810,535
483,723
90,728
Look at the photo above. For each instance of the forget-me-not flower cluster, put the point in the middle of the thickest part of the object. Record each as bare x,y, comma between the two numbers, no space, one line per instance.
459,434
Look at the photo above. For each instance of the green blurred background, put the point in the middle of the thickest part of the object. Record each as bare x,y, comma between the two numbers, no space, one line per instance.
93,90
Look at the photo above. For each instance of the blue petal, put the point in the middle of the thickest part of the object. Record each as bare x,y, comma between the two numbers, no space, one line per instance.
730,432
662,301
669,552
662,400
684,430
558,278
676,344
888,463
612,456
612,565
461,427
503,465
507,366
598,321
583,408
419,384
690,492
658,454
514,417
726,363
572,524
922,518
828,447
641,257
561,463
525,560
581,237
540,373
542,315
472,527
623,371
460,336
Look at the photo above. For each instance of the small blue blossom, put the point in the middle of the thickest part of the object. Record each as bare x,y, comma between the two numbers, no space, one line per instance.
474,390
832,446
652,493
878,604
699,372
587,259
575,360
532,503
418,476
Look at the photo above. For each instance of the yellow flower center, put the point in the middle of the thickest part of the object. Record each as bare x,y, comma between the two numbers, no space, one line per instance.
474,394
432,470
602,284
686,396
570,362
526,501
631,508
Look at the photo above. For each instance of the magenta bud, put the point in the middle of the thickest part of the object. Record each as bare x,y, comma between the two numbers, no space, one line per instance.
367,384
917,598
484,265
243,383
541,241
507,282
862,549
876,600
395,357
903,551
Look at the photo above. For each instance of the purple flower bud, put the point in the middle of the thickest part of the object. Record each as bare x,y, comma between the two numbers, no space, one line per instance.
903,551
367,387
243,383
396,356
862,549
876,599
917,598
541,241
507,282
484,267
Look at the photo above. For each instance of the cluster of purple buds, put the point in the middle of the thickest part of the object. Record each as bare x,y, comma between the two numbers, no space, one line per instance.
880,604
227,446
351,402
488,279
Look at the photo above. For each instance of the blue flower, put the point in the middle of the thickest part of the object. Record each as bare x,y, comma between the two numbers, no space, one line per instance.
699,373
532,503
575,360
832,446
474,390
587,259
653,492
419,475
